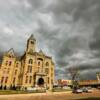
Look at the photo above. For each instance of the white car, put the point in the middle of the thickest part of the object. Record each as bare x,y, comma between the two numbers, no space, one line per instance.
77,91
90,90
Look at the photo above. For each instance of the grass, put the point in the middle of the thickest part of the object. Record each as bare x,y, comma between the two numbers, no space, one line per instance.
4,92
7,92
61,90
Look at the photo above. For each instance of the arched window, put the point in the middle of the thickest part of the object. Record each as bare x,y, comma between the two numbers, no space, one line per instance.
47,71
29,70
39,63
14,79
16,64
47,64
6,63
8,71
10,63
6,80
32,42
30,80
2,79
26,79
30,61
15,72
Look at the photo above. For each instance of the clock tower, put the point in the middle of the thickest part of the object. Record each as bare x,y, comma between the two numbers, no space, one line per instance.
31,44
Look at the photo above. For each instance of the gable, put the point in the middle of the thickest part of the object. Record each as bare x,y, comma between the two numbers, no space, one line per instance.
10,53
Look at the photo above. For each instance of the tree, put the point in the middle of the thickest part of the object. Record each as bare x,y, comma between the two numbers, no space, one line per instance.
74,73
14,87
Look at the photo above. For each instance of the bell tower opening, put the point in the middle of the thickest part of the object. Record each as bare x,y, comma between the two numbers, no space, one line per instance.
31,44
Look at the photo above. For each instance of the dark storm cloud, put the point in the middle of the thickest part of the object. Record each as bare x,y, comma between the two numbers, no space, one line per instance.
88,10
95,43
68,30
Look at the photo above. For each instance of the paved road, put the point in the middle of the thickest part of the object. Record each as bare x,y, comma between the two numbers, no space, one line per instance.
53,96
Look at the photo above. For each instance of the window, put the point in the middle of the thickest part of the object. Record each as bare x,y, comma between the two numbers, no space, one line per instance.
8,70
30,61
51,69
10,63
16,64
14,79
47,64
6,63
26,79
38,63
51,74
30,79
32,42
15,72
29,69
2,79
10,56
47,71
48,80
6,79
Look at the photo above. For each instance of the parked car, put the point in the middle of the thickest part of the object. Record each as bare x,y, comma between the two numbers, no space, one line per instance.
85,90
77,91
90,89
98,88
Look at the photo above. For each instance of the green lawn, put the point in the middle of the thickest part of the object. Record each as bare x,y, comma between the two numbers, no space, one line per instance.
61,90
4,92
7,92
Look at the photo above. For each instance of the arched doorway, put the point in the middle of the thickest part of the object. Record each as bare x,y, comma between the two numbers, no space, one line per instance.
40,82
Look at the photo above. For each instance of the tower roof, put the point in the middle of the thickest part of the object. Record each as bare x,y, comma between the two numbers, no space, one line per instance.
41,52
32,37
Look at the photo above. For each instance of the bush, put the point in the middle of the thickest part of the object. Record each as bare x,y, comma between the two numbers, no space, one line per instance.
5,87
1,87
14,88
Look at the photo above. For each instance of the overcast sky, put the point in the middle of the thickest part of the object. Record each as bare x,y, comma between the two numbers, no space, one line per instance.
67,30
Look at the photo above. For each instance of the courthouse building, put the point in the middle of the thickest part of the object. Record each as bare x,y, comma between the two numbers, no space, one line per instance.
32,69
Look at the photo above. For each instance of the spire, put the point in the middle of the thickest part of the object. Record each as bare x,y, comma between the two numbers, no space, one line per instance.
41,52
32,37
31,43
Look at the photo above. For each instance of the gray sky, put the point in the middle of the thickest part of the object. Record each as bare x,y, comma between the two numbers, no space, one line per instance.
67,30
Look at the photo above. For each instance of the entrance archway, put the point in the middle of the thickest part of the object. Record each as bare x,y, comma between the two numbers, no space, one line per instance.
40,82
